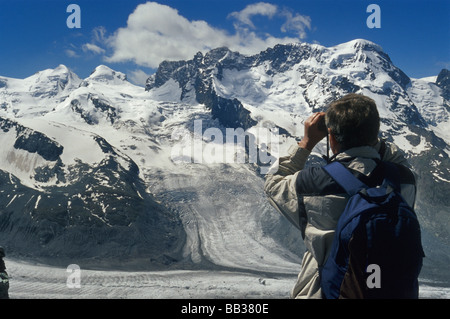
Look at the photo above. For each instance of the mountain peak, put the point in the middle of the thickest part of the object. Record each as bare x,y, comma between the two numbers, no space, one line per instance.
61,71
61,68
361,44
102,73
49,82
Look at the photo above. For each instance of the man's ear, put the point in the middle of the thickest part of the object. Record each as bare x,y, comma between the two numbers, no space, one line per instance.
334,145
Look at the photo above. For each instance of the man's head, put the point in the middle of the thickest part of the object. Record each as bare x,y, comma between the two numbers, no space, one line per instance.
353,121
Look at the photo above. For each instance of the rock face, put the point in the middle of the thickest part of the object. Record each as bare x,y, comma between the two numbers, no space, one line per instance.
443,81
195,79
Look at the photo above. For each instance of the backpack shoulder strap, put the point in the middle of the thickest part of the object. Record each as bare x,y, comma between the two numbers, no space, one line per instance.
391,175
344,178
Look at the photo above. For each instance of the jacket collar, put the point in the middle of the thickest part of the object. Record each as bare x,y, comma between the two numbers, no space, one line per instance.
362,151
363,159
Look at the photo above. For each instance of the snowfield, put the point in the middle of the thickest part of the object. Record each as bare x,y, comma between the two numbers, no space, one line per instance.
31,281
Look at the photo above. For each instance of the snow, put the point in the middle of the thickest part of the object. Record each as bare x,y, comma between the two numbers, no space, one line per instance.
104,74
431,79
34,281
426,96
39,93
14,197
169,92
18,162
440,178
78,144
401,141
37,202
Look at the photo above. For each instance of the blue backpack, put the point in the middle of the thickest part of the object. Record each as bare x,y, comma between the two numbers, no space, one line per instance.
377,250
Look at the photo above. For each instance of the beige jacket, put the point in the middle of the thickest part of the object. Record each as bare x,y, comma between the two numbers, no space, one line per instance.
317,216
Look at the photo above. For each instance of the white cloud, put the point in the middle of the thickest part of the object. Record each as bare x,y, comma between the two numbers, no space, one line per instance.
297,23
71,53
157,32
261,8
92,48
99,34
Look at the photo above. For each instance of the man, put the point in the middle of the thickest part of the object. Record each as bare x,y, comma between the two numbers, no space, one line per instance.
311,199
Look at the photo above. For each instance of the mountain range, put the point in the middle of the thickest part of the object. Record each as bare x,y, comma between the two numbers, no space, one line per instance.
88,173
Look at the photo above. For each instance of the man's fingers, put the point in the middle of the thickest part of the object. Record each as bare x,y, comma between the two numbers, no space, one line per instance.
313,119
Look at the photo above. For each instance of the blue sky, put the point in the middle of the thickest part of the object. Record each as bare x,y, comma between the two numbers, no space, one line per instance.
135,36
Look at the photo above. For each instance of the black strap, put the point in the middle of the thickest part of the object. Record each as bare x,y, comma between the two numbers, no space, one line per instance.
382,150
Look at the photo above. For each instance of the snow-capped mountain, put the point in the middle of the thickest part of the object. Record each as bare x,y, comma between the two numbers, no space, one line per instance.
90,168
66,191
300,78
